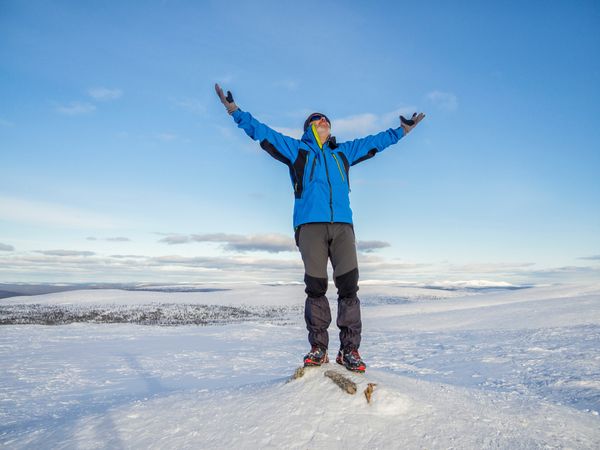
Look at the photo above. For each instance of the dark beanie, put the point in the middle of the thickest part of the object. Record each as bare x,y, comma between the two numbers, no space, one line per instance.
308,120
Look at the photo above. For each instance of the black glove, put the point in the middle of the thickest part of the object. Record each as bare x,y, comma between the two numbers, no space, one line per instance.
227,101
409,124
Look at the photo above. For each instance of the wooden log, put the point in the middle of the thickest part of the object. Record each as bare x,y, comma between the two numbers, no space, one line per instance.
298,373
369,391
344,383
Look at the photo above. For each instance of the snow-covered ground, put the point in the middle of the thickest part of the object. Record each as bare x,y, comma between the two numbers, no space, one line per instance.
454,368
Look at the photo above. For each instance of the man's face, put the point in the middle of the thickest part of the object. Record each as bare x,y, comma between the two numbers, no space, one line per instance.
321,125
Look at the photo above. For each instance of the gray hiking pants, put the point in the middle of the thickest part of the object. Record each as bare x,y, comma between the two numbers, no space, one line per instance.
319,242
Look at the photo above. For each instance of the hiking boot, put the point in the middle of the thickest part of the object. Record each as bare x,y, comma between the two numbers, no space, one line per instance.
340,357
351,360
316,357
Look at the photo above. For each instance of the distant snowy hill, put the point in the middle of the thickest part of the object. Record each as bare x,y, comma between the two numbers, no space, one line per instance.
458,368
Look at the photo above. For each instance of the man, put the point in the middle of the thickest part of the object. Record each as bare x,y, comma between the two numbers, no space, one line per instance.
319,170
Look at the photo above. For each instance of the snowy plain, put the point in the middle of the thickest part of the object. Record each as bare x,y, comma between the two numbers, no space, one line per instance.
455,368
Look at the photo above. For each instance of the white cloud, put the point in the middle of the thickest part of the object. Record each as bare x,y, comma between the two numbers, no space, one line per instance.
6,247
109,239
591,258
272,243
370,246
292,132
361,125
385,268
82,265
104,94
28,211
480,268
75,108
65,252
443,100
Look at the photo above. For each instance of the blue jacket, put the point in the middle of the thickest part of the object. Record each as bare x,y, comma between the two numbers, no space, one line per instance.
319,171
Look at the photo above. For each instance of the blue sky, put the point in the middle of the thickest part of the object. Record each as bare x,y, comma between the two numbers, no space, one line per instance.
119,163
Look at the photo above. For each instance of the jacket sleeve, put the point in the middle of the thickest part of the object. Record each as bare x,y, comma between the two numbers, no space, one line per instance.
362,149
282,148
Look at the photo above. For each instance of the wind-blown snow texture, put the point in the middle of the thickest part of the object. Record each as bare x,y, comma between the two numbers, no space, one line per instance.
455,369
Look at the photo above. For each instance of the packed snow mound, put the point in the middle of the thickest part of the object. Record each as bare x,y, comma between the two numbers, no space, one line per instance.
313,412
315,386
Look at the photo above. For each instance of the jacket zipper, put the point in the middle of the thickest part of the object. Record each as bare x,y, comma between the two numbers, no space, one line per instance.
328,182
326,170
312,170
340,169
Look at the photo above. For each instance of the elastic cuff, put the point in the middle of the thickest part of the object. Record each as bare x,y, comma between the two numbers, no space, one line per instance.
236,114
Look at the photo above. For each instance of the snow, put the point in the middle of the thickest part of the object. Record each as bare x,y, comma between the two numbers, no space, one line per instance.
454,369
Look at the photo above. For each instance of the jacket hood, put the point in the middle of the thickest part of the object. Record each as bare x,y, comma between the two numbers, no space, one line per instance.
311,136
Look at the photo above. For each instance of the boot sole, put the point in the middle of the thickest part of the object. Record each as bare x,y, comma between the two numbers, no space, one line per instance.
359,369
310,363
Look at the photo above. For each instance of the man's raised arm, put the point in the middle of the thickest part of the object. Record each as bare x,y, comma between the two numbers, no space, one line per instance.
362,149
279,146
